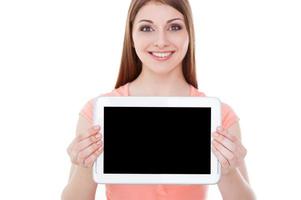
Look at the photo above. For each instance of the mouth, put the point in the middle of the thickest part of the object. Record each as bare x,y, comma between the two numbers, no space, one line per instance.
161,55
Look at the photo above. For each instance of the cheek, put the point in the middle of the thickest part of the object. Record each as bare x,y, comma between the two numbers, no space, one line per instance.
141,41
181,43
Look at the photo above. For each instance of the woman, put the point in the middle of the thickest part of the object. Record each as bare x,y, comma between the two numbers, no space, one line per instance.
158,60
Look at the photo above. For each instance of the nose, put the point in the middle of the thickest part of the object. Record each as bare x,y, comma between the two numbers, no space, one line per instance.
161,40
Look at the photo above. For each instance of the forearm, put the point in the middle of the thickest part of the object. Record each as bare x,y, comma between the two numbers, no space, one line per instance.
81,185
233,186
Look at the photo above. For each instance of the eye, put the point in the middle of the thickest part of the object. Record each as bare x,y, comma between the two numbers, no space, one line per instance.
175,27
145,28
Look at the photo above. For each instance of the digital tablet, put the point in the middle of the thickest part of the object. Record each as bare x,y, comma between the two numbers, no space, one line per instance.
157,140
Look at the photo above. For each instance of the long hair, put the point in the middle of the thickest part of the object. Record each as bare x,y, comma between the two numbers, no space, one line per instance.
131,66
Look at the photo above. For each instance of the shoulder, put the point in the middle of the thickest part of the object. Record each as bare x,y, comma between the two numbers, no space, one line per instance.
87,109
229,117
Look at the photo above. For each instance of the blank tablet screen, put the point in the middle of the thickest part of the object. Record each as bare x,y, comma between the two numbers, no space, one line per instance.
157,140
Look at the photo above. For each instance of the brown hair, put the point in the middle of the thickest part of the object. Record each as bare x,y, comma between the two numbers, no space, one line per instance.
131,66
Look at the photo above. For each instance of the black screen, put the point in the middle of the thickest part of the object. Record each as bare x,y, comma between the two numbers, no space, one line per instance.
157,140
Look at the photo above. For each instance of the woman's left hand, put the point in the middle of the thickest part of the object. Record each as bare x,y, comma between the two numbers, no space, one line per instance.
228,150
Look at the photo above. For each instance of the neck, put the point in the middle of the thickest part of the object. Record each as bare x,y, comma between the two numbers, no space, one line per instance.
154,84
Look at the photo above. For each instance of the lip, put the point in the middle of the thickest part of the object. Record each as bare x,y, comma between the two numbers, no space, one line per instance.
161,58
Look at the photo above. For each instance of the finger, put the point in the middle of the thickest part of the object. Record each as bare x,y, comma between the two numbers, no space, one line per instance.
242,151
91,131
238,149
228,155
88,141
220,128
224,141
82,155
74,149
224,162
225,133
90,160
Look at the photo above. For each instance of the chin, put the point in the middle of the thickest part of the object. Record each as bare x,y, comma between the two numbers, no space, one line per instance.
161,69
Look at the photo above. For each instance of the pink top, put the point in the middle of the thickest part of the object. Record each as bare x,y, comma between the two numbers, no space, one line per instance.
151,191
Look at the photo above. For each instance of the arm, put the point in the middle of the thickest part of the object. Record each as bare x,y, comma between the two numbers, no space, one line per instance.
234,182
80,185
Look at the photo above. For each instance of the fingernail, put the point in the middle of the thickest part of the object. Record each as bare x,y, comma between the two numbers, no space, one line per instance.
220,128
96,127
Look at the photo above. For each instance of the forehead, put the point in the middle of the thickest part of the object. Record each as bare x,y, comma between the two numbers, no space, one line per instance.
157,12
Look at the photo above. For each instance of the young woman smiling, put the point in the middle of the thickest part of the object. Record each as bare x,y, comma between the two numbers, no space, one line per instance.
158,59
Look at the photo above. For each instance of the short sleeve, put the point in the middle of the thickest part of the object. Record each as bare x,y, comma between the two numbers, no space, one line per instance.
229,117
87,110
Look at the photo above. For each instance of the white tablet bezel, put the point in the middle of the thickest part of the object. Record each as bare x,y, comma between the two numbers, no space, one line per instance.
139,101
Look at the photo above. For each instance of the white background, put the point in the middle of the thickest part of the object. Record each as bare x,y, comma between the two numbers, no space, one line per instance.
56,55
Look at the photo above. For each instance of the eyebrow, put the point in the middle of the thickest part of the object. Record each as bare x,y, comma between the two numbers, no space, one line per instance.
150,21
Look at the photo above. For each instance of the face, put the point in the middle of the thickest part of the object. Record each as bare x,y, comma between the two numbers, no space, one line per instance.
160,37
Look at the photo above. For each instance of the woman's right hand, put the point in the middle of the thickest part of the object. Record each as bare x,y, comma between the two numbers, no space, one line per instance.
85,148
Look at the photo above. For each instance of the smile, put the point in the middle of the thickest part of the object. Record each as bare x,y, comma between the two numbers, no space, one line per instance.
161,56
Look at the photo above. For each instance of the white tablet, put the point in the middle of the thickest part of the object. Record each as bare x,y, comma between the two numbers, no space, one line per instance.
157,140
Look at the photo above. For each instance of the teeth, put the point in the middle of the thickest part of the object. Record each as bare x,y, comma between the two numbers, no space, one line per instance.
161,55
